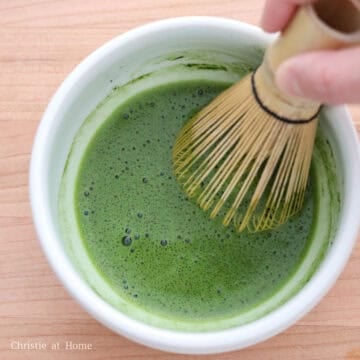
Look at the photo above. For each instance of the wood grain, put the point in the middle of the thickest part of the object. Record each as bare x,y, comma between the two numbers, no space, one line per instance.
40,43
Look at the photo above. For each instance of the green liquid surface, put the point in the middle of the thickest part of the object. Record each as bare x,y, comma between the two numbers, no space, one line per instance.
156,248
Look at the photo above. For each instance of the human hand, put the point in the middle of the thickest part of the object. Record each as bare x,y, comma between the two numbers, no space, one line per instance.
331,76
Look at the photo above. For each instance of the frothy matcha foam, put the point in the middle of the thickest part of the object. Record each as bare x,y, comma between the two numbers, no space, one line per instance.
148,249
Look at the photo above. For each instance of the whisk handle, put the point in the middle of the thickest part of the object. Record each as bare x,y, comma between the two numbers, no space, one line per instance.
325,24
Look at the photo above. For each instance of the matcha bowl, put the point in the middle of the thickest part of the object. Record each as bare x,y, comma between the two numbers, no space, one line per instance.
167,52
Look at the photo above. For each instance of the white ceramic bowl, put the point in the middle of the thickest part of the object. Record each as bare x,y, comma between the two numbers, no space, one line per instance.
123,59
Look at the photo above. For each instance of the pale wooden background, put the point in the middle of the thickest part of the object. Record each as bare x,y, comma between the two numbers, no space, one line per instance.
40,43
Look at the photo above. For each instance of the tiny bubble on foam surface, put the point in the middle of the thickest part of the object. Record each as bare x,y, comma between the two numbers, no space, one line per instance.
126,240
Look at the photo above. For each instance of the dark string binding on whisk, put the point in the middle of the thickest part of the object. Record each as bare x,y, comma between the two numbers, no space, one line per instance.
274,114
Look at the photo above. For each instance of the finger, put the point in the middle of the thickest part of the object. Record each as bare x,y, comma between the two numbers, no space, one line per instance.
277,13
331,77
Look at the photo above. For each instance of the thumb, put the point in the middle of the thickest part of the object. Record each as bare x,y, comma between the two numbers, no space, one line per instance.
331,77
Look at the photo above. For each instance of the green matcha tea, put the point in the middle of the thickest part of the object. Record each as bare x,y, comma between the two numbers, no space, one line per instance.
152,245
152,253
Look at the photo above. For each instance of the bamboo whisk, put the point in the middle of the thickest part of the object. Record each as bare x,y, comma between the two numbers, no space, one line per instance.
247,154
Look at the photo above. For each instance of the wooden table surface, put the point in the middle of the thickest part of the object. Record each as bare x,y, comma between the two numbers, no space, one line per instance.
40,43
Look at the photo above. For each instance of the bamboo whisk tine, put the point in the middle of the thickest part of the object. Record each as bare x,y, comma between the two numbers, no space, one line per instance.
247,155
214,165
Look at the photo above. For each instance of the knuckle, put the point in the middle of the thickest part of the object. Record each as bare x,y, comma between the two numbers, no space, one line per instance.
326,79
326,83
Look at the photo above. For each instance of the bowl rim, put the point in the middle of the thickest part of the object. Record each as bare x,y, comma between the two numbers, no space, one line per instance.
171,340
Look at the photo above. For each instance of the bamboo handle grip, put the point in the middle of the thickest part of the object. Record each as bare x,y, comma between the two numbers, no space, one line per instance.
326,24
